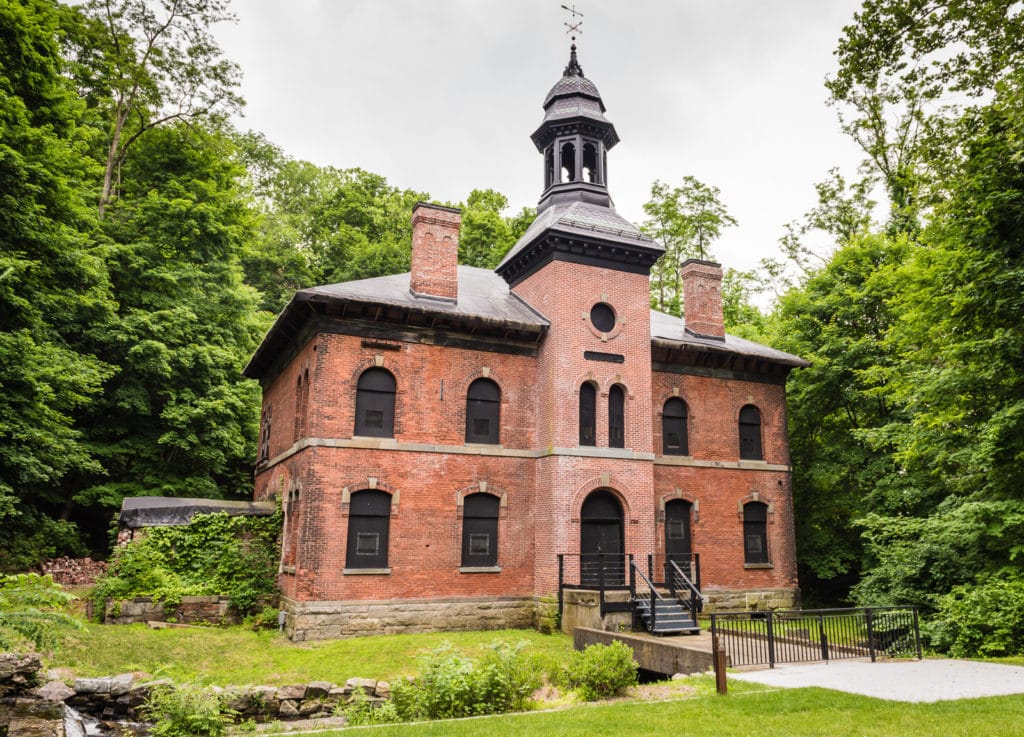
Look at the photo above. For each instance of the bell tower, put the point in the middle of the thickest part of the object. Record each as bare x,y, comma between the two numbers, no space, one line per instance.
574,138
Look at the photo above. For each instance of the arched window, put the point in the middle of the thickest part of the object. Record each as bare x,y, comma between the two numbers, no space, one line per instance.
549,166
616,417
750,434
568,160
265,421
375,404
588,413
480,530
369,519
755,533
483,412
590,173
301,404
674,438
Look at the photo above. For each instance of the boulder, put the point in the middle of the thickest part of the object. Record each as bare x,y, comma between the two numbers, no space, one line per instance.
56,692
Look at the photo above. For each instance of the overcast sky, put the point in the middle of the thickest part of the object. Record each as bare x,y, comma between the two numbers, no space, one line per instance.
441,96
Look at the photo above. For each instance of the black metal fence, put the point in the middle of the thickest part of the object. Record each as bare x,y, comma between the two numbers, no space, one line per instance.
797,636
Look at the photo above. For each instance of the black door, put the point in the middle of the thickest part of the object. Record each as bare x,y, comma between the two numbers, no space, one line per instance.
678,545
601,541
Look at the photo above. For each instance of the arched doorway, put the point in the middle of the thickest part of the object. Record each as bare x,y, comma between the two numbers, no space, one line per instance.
678,543
601,540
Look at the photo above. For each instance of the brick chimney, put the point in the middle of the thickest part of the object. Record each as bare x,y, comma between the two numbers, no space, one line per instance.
435,251
702,298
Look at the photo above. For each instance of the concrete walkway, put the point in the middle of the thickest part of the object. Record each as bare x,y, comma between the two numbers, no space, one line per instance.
898,680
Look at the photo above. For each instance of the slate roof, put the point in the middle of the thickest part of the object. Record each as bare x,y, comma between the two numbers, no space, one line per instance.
586,221
670,331
482,294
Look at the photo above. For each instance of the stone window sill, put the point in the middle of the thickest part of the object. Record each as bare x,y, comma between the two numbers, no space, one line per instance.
758,566
366,572
480,569
288,569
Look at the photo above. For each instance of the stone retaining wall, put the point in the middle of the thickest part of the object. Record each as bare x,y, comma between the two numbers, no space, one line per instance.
191,610
323,620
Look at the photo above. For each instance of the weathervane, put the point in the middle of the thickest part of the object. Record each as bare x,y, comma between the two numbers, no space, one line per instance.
575,24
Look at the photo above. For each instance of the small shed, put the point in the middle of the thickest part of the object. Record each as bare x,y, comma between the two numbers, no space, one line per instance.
141,512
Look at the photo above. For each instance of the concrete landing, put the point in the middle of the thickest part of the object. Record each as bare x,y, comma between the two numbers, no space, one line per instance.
667,655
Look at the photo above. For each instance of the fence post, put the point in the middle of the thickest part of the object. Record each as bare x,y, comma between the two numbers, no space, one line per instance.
561,581
822,636
917,635
871,634
771,640
718,656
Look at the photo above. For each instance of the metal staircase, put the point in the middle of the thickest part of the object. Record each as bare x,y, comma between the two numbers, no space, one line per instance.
660,614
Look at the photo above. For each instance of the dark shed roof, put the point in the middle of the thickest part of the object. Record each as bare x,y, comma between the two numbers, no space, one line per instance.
162,511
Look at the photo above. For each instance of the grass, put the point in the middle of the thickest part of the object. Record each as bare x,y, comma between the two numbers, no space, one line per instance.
239,656
808,712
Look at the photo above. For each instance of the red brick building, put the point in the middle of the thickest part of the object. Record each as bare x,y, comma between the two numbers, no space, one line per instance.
440,438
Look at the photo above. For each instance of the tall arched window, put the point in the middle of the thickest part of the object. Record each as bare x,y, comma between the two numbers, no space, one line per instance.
674,438
301,404
590,173
369,521
616,417
483,412
375,404
750,434
755,533
480,530
588,413
568,159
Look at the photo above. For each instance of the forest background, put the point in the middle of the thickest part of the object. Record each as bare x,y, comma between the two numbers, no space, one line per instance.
146,246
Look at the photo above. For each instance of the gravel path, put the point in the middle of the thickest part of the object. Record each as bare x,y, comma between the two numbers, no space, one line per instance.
899,680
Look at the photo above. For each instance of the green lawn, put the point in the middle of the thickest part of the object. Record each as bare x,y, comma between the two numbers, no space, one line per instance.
808,712
237,656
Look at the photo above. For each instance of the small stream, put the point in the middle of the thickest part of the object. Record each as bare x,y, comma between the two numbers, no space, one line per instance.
77,724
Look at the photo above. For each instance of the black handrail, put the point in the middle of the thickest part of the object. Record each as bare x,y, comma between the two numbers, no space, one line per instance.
696,600
652,595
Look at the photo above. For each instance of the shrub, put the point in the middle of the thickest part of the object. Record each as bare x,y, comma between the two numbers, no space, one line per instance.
451,685
186,711
981,619
602,671
216,554
32,610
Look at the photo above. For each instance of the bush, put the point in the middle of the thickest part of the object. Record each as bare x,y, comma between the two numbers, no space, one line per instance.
602,671
32,611
216,554
186,711
452,685
981,619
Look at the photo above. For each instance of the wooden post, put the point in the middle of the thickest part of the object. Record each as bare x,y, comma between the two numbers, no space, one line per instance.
718,655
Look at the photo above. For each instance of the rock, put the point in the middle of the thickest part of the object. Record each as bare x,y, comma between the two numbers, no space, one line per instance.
310,707
121,684
55,692
366,685
318,689
288,710
92,685
383,689
291,693
679,676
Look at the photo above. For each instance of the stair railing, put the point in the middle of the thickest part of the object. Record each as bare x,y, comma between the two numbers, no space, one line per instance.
681,586
647,593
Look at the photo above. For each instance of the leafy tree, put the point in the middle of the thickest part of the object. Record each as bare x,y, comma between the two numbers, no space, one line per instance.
686,220
53,288
178,419
146,64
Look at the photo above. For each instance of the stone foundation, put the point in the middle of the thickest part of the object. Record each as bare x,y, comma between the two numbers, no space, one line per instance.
744,600
325,620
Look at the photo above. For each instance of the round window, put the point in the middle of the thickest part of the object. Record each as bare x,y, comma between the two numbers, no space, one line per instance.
603,317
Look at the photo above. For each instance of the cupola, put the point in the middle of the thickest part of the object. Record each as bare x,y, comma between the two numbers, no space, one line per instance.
574,138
